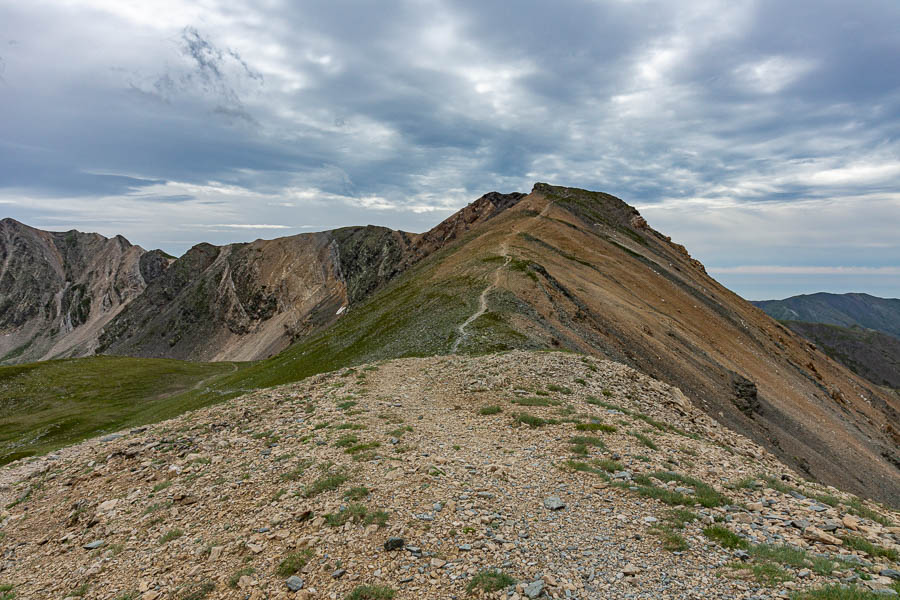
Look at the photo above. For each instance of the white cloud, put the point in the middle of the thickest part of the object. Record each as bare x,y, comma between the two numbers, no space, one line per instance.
803,270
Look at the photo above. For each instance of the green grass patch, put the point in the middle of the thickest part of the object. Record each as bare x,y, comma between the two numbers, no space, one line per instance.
837,592
345,441
356,493
56,403
533,421
596,427
587,440
350,426
671,539
198,590
357,513
767,574
645,440
704,494
172,534
293,562
371,592
298,470
561,389
725,537
491,580
864,545
856,507
491,409
326,483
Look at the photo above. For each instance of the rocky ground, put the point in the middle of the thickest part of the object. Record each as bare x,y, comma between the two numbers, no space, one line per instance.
517,475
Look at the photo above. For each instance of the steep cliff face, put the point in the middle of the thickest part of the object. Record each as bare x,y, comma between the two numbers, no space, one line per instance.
235,302
249,301
57,290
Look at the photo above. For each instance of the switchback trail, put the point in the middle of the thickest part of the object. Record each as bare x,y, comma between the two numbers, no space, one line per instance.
495,280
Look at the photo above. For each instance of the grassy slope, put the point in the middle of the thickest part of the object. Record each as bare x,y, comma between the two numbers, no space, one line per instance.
44,406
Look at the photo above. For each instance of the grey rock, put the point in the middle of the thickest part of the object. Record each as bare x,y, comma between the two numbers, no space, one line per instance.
892,573
294,583
339,573
831,526
554,503
110,437
465,547
535,588
741,555
394,543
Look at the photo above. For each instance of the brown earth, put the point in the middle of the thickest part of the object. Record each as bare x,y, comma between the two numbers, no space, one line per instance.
58,290
312,479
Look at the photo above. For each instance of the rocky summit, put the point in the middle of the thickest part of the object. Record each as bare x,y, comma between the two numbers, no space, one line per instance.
508,475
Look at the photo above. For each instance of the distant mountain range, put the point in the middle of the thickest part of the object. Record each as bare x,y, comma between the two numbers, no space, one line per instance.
860,331
558,268
846,310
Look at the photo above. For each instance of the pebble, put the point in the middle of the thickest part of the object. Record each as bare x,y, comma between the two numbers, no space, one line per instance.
554,503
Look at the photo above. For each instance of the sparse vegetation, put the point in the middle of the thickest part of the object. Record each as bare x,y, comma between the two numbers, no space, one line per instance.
645,440
873,550
533,421
326,483
292,563
596,427
236,576
491,409
725,537
172,534
491,580
371,592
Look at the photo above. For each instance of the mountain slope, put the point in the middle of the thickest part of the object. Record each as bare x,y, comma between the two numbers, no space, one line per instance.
868,353
846,310
516,475
58,290
73,294
582,271
570,269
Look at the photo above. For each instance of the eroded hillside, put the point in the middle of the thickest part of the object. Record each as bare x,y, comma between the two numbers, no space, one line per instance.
507,476
58,290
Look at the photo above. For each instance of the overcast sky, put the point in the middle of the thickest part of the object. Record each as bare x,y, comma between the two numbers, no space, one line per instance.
762,135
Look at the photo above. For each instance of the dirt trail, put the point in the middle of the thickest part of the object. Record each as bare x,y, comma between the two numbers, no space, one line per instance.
495,280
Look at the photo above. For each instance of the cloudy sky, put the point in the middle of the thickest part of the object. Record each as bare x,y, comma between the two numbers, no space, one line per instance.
764,135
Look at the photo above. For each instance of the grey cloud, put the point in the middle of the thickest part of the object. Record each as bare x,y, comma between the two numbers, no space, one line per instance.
286,113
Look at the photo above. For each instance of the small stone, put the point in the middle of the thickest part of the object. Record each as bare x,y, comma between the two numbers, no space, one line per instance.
93,545
339,573
631,570
465,547
892,573
804,574
215,553
554,503
394,543
294,583
437,563
535,588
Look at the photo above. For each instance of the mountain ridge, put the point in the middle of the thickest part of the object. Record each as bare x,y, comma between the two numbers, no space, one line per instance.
846,310
563,268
